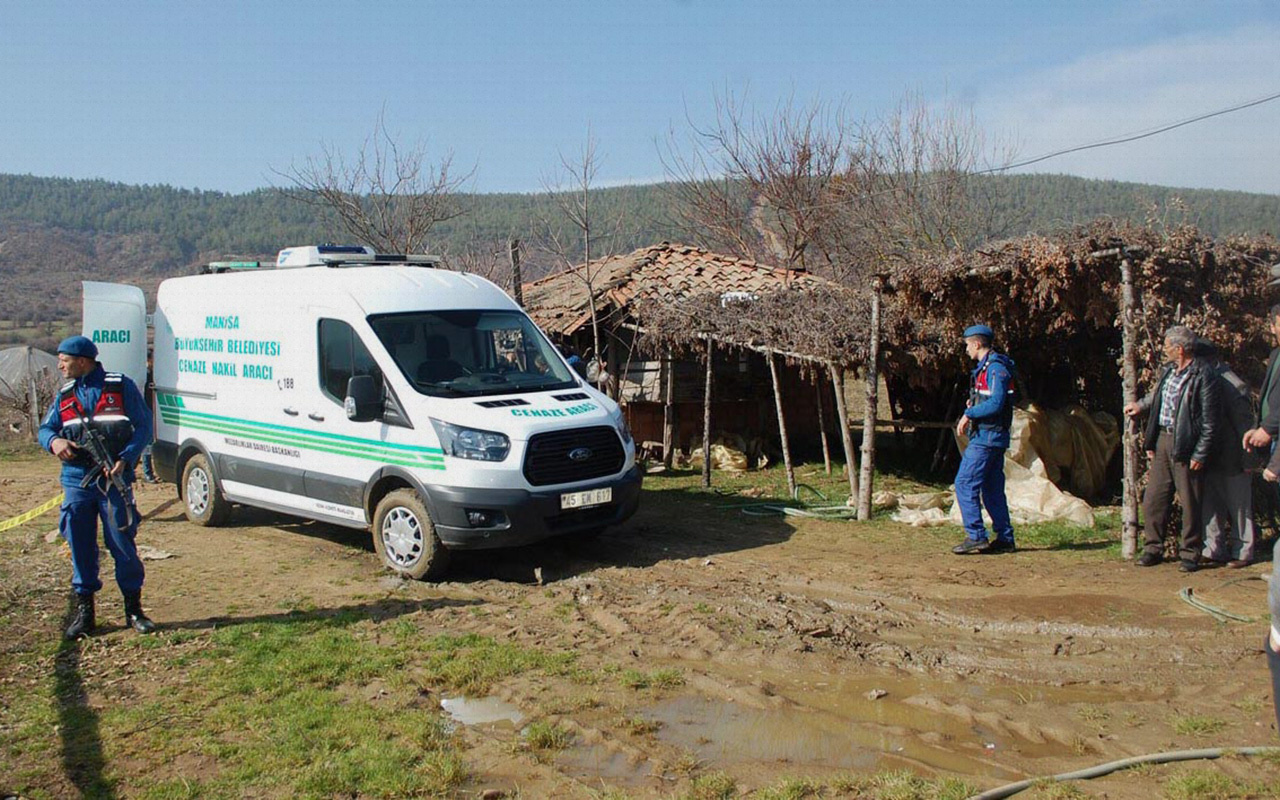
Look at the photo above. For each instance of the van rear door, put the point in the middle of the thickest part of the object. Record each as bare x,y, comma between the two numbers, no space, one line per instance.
115,318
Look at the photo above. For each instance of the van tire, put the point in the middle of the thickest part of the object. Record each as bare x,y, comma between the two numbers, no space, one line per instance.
201,498
405,537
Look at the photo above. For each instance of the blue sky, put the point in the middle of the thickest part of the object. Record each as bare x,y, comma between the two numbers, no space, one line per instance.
221,95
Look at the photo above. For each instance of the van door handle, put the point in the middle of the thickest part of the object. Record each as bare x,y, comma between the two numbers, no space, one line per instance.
291,411
317,417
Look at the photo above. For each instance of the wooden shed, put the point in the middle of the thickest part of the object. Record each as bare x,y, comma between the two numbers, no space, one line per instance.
742,398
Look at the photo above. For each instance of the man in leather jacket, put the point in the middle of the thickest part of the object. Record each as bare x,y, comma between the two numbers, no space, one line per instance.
1180,440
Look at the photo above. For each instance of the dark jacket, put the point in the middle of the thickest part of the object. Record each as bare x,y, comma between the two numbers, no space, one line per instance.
1271,391
1237,405
1196,424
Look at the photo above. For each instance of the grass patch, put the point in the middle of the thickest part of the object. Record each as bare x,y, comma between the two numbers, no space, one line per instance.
311,706
639,726
1053,790
901,785
1198,725
659,679
1103,537
791,789
1207,784
712,786
544,736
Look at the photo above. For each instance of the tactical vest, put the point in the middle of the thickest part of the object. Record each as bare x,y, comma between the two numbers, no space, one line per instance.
108,417
979,391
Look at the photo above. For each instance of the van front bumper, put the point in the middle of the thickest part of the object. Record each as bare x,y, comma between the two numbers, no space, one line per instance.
526,516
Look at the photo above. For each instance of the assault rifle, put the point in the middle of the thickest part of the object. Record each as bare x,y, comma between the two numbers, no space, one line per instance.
96,448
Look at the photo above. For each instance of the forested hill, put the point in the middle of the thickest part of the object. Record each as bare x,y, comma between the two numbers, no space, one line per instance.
195,222
56,232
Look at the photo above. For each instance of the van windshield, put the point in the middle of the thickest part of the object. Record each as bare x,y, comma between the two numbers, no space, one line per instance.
469,353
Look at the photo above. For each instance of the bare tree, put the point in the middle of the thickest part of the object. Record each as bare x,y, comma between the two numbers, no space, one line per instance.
571,199
484,257
756,186
808,188
385,195
908,189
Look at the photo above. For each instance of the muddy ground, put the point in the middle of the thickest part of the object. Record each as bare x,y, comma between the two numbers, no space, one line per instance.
807,647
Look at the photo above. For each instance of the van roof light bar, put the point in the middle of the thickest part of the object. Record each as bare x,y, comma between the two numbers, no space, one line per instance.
219,267
329,255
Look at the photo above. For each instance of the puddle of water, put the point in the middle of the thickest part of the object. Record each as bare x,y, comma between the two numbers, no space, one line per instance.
598,763
481,711
912,721
722,732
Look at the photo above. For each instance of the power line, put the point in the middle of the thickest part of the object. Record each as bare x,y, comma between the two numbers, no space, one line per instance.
1104,143
1134,137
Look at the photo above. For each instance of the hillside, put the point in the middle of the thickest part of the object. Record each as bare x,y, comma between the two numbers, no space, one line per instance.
55,232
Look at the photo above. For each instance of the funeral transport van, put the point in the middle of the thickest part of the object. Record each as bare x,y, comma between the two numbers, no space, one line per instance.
379,392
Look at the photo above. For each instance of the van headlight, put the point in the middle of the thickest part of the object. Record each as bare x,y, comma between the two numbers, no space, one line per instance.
623,430
477,445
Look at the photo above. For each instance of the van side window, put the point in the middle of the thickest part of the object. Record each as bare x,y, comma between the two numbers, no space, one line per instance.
342,355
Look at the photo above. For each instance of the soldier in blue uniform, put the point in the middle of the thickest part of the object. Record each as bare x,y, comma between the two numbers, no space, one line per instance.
986,420
111,405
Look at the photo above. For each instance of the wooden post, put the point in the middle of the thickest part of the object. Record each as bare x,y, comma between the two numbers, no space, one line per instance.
846,438
869,419
782,426
669,414
517,281
822,423
706,419
1129,376
33,397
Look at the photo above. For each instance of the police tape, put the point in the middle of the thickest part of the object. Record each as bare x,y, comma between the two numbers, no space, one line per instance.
22,519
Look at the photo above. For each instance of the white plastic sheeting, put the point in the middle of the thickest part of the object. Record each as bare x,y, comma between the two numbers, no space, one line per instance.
1047,450
19,364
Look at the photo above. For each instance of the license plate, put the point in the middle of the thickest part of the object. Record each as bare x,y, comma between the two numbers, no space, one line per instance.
591,497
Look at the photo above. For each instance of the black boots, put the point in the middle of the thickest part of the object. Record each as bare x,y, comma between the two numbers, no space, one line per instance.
134,616
82,620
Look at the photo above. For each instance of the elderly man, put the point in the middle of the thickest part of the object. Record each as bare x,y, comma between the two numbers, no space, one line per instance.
1179,440
980,479
1228,483
110,405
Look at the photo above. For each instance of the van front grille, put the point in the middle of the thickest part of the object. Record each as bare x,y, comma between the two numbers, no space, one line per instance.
578,454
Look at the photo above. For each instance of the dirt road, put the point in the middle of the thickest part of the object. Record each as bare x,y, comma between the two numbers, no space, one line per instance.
801,647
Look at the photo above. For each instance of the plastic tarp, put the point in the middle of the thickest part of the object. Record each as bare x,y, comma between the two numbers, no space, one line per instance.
19,364
1050,453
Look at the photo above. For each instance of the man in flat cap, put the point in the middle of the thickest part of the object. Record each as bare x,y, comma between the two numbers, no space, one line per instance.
986,421
108,404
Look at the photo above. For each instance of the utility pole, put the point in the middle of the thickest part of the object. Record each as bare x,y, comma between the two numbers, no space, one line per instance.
517,280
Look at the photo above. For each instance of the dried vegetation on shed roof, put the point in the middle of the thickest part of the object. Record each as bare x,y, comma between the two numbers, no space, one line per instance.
663,273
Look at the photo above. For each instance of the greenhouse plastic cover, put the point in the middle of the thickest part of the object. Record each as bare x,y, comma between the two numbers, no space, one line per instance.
17,364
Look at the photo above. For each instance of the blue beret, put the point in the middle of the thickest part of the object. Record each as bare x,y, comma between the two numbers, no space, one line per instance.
78,346
979,330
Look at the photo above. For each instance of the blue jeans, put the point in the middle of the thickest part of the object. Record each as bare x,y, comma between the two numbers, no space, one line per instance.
980,482
148,469
81,511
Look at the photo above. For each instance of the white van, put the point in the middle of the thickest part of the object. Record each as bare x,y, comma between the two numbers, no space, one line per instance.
380,392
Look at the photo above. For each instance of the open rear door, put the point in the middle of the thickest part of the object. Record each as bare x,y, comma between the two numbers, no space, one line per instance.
115,318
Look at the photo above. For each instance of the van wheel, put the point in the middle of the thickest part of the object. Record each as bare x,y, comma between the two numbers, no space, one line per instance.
204,504
405,537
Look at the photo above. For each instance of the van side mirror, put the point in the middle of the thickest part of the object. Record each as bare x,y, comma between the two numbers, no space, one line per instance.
363,402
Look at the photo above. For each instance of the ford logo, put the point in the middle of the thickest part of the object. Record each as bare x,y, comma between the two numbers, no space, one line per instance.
580,453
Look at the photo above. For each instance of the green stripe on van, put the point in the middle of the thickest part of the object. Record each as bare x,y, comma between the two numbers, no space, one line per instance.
382,452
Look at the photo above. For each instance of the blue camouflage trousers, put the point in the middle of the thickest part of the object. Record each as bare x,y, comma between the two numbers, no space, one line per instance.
980,482
81,510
